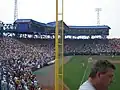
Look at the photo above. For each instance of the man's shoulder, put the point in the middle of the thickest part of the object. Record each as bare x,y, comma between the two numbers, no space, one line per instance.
86,86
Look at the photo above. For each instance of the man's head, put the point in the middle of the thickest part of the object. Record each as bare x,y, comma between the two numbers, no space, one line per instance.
102,72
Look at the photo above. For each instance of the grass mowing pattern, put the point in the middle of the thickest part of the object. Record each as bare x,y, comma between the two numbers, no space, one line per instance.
73,72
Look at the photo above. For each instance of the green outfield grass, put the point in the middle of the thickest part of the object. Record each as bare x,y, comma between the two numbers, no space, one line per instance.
74,70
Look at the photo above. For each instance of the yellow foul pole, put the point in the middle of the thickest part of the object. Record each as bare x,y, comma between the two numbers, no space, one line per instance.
62,44
59,49
56,50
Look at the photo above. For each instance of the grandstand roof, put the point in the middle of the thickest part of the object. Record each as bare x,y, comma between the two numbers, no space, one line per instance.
23,20
32,26
28,21
53,24
92,27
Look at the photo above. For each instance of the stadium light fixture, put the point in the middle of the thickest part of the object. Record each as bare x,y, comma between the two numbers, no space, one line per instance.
98,15
15,10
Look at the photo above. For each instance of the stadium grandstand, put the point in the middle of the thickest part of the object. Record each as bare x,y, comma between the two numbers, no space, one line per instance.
28,45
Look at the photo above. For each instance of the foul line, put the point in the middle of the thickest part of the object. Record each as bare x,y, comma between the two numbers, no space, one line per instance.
84,74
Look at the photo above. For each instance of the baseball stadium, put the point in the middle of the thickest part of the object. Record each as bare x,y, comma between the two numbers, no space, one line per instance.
54,55
28,54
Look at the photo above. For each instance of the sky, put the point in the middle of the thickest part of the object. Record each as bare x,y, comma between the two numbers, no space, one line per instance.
76,12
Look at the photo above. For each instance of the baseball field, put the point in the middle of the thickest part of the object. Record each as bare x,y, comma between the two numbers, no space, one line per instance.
77,70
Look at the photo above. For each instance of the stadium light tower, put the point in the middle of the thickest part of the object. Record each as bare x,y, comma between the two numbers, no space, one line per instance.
15,10
98,15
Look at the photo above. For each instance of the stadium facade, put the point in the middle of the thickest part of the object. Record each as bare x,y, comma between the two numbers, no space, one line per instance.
28,28
25,53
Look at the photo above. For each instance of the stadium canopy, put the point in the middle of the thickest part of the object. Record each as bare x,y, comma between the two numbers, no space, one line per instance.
32,26
53,24
29,21
29,25
90,27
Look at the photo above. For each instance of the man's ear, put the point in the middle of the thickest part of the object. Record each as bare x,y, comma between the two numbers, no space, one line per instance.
98,74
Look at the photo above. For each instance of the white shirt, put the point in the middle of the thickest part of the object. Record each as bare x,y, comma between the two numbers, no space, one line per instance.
86,86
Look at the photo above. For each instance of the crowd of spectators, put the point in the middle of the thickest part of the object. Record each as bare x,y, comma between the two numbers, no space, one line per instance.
19,57
93,46
17,61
